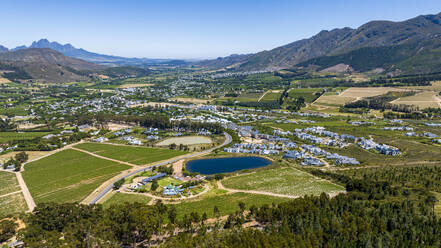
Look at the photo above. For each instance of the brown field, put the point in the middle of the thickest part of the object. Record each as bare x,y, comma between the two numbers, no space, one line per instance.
32,155
423,100
334,100
359,93
116,126
4,80
125,86
189,100
29,126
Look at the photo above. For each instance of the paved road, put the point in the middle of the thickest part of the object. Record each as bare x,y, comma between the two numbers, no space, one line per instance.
110,187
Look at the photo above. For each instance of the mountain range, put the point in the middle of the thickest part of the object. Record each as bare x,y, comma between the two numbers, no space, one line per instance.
79,53
409,46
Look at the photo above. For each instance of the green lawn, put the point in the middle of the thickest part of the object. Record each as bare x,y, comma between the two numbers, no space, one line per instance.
120,198
8,183
307,94
271,96
131,154
68,176
287,181
226,203
10,136
12,204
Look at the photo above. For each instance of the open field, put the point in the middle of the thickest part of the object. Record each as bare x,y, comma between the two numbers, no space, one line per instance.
8,183
68,176
359,93
226,203
131,154
6,137
334,100
271,96
286,181
4,80
120,198
32,155
12,204
187,140
307,94
189,100
422,100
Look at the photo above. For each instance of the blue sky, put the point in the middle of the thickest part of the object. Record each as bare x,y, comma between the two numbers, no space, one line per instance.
190,28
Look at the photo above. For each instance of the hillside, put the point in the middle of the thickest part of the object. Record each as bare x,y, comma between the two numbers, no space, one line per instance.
46,64
372,38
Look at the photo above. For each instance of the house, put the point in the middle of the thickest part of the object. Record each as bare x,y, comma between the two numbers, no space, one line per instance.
100,139
312,161
430,135
150,179
293,155
172,190
410,134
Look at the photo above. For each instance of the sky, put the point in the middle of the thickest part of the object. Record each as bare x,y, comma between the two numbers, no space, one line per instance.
188,29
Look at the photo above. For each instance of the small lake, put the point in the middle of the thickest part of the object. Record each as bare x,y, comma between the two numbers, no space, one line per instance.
225,165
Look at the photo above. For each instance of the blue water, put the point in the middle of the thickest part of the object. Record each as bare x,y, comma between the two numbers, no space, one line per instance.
224,165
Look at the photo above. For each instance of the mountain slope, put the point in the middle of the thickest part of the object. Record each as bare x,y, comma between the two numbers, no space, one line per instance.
337,42
47,64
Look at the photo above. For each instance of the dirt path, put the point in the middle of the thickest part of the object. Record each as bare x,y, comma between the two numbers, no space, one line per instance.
106,158
27,195
260,98
177,168
12,193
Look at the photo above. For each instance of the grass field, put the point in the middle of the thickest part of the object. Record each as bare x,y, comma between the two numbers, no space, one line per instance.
8,183
287,181
10,136
12,204
271,96
227,203
68,176
187,140
307,94
120,198
131,154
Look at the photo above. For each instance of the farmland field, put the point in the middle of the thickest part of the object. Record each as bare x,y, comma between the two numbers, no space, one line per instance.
271,96
187,140
227,203
307,94
120,198
131,154
68,176
287,181
367,92
12,204
334,100
8,183
423,100
10,136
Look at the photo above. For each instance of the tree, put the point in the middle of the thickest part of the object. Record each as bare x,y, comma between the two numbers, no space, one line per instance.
216,211
7,230
21,157
118,184
172,214
154,186
242,206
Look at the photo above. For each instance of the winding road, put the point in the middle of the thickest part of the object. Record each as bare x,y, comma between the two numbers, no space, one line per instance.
102,192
